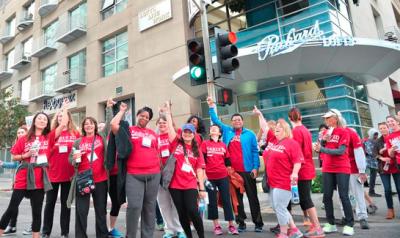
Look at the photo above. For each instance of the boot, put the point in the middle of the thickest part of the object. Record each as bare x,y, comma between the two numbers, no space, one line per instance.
390,213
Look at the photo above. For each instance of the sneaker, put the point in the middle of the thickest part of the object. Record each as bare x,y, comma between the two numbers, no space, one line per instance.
348,231
27,231
276,229
364,224
115,233
232,230
160,227
374,195
258,229
295,233
281,235
10,231
371,209
242,227
169,235
314,233
181,235
218,231
328,228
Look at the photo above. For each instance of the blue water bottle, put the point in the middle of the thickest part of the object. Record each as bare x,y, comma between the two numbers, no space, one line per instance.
295,194
202,208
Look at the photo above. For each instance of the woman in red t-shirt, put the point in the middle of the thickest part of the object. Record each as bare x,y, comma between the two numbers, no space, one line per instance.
188,179
218,163
62,136
388,153
336,170
90,150
143,172
307,172
31,176
283,161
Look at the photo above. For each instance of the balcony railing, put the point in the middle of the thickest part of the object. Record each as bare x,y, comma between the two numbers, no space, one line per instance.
25,21
22,60
7,36
71,79
23,99
43,47
41,91
5,72
392,34
70,29
47,6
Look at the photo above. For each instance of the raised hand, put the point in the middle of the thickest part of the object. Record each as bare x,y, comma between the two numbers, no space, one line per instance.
123,107
256,111
110,102
210,102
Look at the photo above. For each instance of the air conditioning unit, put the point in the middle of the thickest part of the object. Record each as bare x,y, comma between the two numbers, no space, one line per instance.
26,58
391,36
66,72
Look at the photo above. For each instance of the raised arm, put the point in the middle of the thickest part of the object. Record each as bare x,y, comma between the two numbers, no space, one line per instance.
116,120
214,116
109,117
64,118
166,110
261,120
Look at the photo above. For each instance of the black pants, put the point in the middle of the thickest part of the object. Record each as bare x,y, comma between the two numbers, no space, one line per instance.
330,181
186,205
372,180
51,199
82,204
223,188
36,197
251,192
159,218
13,220
305,194
113,192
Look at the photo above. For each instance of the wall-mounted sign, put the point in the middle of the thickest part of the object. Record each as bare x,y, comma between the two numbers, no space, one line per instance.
192,9
53,104
272,45
154,15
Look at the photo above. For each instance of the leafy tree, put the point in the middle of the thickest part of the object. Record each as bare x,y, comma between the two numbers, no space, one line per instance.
12,116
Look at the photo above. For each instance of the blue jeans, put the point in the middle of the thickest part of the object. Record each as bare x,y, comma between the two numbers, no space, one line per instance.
388,187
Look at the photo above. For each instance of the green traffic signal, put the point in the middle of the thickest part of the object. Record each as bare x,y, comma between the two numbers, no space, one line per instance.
197,72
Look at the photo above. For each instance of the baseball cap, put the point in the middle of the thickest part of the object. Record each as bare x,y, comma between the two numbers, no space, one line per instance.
189,126
331,113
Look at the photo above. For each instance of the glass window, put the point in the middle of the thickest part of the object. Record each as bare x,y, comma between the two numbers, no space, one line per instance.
25,88
27,47
49,78
10,60
78,16
289,7
115,54
106,4
77,67
50,34
11,26
30,10
111,7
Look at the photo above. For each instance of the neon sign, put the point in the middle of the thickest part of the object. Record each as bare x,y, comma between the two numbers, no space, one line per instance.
272,45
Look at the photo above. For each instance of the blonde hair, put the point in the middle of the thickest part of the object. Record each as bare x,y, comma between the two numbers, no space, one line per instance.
71,126
286,127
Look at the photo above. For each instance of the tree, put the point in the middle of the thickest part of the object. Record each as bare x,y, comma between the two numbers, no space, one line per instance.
12,116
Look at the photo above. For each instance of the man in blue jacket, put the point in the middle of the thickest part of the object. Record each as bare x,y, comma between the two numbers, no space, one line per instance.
243,150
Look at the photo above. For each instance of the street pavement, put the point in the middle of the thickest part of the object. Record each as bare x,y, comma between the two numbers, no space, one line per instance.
379,226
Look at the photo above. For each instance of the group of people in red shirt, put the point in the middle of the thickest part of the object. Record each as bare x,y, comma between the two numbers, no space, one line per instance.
51,154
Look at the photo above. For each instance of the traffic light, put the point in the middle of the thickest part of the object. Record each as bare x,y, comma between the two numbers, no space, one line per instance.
226,52
197,66
225,96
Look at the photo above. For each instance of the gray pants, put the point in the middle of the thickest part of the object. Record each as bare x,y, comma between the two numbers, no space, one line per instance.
141,192
357,190
280,199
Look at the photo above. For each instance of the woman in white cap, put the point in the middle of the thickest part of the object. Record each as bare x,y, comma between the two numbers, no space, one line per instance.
336,170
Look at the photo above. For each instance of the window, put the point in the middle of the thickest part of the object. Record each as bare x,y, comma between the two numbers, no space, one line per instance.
29,10
288,6
27,47
24,89
50,34
10,60
110,7
49,78
77,67
78,16
115,54
11,26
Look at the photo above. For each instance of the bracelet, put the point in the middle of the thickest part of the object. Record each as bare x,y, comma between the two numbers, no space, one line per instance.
202,190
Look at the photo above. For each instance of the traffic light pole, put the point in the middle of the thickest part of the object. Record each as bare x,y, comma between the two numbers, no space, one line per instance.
207,52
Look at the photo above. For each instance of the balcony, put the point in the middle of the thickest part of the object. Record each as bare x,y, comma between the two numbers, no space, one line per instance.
43,47
392,34
22,61
5,72
25,22
71,29
7,36
40,92
47,6
71,79
22,99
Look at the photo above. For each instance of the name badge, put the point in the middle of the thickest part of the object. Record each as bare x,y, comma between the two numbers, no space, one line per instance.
41,159
62,149
186,168
165,153
146,142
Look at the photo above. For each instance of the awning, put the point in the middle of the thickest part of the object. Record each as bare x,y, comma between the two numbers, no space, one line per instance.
367,61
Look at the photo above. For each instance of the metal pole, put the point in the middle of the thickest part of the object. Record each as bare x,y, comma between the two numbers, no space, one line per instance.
207,52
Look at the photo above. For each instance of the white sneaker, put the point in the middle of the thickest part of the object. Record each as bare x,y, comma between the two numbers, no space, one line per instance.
348,231
27,231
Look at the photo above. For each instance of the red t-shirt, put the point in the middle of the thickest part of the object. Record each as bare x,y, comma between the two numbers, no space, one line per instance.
271,138
337,163
23,146
235,151
185,175
144,156
392,165
60,170
303,137
280,159
354,143
391,140
98,168
215,161
163,147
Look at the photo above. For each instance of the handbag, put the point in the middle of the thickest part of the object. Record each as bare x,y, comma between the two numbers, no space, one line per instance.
167,171
84,181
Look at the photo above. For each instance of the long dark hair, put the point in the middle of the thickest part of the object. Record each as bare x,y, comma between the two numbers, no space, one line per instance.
95,125
195,147
201,129
32,129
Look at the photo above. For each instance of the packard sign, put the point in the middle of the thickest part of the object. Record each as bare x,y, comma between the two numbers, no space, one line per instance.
53,104
154,15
